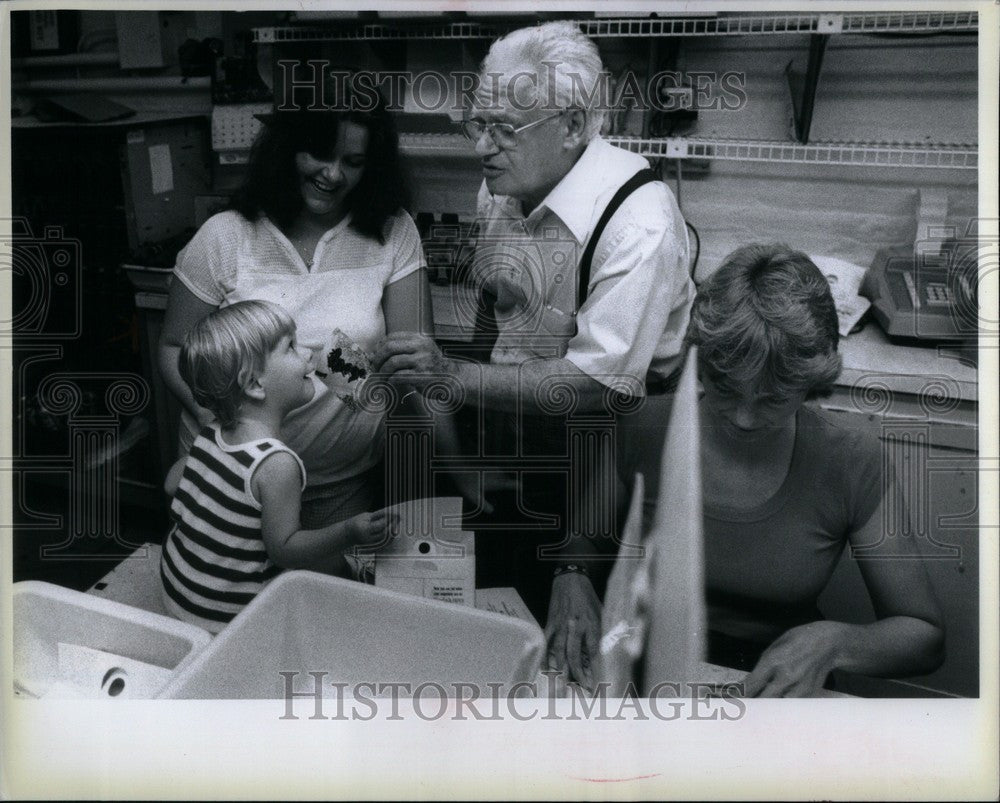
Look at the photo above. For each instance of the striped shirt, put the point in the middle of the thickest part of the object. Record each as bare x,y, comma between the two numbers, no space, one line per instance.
214,561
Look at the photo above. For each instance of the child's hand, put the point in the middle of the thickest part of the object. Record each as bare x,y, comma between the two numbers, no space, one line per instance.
372,529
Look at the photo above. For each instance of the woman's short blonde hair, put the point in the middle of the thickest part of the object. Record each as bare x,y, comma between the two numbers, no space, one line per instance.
765,324
225,350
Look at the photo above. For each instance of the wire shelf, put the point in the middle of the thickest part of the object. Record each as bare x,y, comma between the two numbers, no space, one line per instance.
722,25
436,145
234,127
374,32
911,21
870,154
866,154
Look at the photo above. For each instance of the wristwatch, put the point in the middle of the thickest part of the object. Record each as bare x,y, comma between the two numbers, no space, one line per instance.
571,568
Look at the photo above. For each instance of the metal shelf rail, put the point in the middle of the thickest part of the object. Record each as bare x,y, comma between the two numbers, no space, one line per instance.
864,154
722,25
233,129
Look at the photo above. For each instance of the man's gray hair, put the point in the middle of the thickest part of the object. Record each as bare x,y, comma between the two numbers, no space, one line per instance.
568,65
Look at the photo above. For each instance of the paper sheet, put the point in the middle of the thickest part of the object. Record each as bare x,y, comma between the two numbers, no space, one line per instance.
845,280
505,601
161,168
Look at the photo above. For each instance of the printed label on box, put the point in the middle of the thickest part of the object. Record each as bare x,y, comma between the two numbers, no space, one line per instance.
431,555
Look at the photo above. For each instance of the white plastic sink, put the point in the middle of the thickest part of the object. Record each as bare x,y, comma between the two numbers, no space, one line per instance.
307,622
47,615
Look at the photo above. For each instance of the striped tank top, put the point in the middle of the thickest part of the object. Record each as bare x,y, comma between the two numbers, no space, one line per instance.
214,561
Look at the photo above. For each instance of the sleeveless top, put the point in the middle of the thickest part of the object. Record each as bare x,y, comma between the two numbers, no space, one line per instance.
214,561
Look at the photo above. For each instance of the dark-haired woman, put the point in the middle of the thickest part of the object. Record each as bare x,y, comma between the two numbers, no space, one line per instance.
785,491
320,229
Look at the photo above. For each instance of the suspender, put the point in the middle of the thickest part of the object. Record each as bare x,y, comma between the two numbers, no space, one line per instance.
630,186
486,332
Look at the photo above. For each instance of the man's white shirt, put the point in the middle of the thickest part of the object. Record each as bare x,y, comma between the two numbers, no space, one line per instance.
640,291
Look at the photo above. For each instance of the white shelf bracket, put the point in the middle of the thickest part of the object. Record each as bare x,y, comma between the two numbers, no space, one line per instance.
830,23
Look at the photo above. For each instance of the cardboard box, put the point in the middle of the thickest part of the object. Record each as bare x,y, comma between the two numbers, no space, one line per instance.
431,556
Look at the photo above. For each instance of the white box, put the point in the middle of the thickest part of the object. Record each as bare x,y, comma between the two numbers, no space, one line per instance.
307,622
431,556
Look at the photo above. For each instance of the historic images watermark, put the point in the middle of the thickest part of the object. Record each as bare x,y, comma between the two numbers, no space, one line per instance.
323,699
929,435
66,422
318,85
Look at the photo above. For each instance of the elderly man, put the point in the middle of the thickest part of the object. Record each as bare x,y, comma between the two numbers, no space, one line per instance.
584,307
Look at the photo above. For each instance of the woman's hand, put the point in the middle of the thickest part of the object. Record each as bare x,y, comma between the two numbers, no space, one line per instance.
372,529
412,357
573,628
797,663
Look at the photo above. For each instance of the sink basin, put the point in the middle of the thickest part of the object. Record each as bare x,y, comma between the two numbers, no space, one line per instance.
47,615
306,622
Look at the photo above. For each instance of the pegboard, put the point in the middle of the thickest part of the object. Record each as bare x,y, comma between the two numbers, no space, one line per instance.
234,127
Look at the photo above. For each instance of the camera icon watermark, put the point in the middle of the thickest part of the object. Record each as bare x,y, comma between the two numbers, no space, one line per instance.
45,274
67,427
950,265
528,282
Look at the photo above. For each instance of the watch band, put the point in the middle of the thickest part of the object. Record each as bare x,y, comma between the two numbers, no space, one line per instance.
571,568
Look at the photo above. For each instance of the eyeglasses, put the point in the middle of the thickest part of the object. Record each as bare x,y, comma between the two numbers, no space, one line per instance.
503,134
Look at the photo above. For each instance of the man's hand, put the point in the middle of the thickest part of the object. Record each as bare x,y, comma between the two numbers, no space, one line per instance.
798,662
573,628
411,357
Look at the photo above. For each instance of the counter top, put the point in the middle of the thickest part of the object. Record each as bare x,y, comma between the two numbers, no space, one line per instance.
870,355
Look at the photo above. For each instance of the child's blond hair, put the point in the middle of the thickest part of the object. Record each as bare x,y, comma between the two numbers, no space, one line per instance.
225,350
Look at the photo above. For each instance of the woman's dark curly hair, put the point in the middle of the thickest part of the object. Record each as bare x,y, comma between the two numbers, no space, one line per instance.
765,323
271,187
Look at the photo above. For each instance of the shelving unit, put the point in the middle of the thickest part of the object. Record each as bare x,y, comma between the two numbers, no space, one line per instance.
944,155
232,137
721,25
865,154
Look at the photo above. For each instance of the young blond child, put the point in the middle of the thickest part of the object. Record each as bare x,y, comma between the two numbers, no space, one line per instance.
238,491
